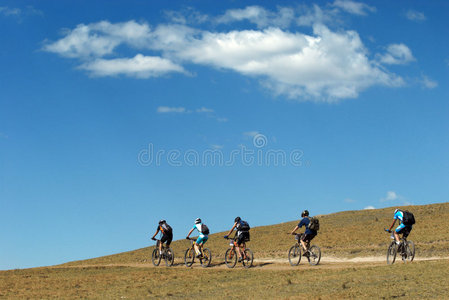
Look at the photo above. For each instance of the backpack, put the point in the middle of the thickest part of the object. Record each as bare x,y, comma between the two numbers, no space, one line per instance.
204,229
408,218
166,228
243,226
314,224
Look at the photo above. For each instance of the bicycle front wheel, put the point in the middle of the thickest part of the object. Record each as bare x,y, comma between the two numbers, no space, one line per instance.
409,251
249,257
169,257
294,255
314,255
189,257
230,258
391,253
206,258
156,257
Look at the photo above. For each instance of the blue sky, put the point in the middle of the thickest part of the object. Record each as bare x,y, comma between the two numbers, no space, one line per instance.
114,115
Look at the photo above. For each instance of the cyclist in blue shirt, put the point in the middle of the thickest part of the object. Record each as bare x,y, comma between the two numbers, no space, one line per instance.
402,228
202,238
308,235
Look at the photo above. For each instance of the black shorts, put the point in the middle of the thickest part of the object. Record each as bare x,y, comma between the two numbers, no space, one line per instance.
405,231
167,238
307,237
242,237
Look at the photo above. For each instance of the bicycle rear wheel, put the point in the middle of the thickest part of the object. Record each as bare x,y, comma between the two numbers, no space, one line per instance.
391,253
169,257
189,257
294,255
314,255
156,257
249,257
206,258
409,252
230,258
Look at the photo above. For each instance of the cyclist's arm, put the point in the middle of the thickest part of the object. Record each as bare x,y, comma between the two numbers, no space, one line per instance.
190,232
232,229
394,221
296,228
157,231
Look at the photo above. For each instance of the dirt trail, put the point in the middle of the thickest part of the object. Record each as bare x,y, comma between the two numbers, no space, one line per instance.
270,263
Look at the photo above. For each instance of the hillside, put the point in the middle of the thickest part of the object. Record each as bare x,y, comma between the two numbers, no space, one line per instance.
345,234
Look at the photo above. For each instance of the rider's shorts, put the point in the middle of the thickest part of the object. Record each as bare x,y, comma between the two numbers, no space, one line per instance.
167,238
202,240
242,237
403,229
307,237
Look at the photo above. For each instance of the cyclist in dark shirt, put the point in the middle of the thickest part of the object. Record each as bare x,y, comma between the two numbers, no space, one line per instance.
309,234
167,234
242,234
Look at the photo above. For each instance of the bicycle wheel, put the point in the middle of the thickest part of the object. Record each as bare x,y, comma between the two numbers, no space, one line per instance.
409,252
391,253
156,257
314,255
294,255
230,258
248,261
206,258
169,257
189,257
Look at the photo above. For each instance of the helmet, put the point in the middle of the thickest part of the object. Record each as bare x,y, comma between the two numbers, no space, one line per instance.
305,213
237,219
162,221
197,221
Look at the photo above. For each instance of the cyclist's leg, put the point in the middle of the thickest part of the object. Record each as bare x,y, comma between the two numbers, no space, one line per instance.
397,232
303,241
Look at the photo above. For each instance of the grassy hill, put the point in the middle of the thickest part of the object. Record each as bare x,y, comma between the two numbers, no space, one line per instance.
345,234
130,275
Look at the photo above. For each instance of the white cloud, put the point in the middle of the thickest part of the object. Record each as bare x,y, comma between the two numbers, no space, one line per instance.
370,207
428,83
204,110
352,7
251,133
259,16
167,109
139,66
397,54
7,11
416,16
324,66
349,200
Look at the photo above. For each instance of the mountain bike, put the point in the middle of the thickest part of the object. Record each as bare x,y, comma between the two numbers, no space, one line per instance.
405,248
313,253
167,255
231,254
205,256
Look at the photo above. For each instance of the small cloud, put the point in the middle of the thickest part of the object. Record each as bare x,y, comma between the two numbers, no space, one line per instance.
428,83
370,207
349,200
216,147
222,119
415,16
352,7
394,197
204,110
397,54
391,196
7,11
251,133
167,109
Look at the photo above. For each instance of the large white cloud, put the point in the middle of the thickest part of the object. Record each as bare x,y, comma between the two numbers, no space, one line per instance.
323,66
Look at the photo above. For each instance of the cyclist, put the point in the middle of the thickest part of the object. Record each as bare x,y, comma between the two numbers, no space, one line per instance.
202,238
167,234
402,228
241,236
308,235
